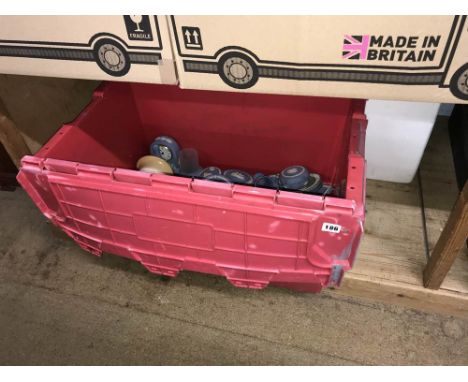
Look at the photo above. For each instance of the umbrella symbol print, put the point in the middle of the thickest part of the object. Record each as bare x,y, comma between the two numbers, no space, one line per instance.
137,19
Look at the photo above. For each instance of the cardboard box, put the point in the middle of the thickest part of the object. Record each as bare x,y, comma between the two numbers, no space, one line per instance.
117,48
418,58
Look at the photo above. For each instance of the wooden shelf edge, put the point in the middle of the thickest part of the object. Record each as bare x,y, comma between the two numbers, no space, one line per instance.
440,301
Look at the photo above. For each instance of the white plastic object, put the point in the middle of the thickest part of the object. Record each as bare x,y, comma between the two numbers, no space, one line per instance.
397,135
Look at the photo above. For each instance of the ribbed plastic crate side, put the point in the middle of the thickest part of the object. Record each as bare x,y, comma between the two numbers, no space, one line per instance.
36,184
356,170
252,236
337,250
167,226
357,177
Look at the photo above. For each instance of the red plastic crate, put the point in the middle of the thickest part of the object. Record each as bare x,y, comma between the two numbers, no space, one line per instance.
84,181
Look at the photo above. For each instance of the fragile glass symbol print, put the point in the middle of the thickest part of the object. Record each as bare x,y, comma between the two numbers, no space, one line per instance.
138,27
137,19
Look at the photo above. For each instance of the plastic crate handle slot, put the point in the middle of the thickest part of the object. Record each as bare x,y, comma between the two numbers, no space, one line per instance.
131,176
254,195
211,188
315,202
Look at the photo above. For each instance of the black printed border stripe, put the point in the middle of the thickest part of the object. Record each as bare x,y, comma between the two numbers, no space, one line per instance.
432,78
70,54
47,53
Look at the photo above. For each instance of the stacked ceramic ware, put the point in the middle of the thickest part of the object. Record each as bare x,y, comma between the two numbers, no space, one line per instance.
167,157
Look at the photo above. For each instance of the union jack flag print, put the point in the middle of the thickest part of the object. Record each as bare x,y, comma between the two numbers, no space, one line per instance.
355,47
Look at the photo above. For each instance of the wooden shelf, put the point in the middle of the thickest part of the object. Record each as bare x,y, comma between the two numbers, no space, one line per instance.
392,256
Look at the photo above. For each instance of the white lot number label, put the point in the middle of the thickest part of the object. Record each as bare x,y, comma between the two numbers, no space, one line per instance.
329,227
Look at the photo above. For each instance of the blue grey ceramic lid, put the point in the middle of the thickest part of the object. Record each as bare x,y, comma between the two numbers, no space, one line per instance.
167,148
294,177
238,176
211,170
314,184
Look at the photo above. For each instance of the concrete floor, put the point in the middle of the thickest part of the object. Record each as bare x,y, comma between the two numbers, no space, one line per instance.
61,305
